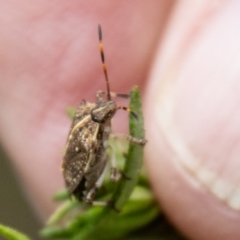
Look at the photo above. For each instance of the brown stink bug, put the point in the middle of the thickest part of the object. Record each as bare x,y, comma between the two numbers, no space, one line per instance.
86,159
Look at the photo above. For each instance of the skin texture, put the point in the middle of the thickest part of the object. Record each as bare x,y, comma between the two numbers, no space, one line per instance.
184,55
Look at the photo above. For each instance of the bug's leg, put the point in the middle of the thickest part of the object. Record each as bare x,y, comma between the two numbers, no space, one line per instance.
138,141
91,193
114,174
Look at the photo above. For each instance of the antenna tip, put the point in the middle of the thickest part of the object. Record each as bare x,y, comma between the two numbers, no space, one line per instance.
100,32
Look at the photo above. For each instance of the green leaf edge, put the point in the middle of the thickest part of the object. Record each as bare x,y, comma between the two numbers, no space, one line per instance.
134,157
11,233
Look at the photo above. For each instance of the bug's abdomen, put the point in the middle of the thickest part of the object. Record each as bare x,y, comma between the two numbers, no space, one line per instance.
81,144
73,171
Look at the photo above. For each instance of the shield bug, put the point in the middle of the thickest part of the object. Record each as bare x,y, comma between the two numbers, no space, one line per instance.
86,159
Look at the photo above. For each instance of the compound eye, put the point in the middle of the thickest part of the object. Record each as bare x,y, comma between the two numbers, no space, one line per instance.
95,118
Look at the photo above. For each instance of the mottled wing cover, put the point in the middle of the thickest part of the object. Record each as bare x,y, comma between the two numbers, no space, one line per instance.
78,146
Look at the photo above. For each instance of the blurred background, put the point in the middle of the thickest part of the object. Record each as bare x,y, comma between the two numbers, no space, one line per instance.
15,211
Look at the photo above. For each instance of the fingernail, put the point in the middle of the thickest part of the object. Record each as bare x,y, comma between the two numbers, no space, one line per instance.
197,106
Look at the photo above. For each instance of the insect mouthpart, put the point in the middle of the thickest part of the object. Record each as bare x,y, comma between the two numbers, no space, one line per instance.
103,111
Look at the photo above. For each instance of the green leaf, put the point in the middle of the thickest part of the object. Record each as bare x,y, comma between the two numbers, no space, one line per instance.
135,153
61,195
62,211
56,233
137,212
12,234
71,112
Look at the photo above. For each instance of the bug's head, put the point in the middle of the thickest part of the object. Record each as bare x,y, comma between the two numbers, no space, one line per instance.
103,111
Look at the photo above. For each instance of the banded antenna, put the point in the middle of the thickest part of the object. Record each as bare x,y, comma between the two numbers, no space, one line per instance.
103,61
106,76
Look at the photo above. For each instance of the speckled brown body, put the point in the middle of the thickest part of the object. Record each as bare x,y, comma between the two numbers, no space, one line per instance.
85,155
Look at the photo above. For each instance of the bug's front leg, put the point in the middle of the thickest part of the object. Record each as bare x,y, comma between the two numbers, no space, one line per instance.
138,141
